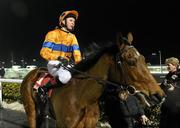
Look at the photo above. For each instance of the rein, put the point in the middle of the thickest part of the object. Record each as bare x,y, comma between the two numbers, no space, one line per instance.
100,80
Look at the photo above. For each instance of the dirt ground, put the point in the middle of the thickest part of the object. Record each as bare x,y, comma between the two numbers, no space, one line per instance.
12,119
13,116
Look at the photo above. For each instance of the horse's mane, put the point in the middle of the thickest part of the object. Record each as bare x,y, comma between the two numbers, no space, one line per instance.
93,52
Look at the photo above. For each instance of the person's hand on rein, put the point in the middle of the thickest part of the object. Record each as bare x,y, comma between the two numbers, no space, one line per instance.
144,120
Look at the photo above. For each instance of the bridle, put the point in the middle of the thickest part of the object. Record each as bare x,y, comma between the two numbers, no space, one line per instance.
119,60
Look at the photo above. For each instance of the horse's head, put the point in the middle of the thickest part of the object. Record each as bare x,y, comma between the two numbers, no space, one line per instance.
131,69
127,51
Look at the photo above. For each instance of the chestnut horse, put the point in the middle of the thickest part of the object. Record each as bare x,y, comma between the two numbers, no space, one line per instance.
131,69
76,104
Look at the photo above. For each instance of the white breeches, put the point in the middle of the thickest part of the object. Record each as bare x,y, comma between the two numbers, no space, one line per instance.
63,74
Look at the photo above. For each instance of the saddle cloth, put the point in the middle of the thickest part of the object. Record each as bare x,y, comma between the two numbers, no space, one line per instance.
43,80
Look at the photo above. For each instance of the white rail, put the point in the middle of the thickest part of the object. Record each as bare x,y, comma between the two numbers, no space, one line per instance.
9,81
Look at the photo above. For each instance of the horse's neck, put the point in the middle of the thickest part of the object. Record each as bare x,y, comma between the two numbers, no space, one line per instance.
92,89
116,73
101,68
89,89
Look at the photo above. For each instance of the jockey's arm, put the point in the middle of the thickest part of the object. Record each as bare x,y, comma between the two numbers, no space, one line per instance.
76,50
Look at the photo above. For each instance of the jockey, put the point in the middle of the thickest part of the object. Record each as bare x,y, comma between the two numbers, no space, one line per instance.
59,46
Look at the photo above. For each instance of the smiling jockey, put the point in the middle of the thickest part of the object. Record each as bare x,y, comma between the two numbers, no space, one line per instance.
60,45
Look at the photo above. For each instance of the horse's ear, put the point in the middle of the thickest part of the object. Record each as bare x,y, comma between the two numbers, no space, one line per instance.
119,38
130,37
120,41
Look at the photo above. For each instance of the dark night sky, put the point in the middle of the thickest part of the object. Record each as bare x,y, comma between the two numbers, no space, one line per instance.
24,23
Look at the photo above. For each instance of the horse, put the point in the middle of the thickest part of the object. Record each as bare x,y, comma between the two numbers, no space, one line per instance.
130,69
76,104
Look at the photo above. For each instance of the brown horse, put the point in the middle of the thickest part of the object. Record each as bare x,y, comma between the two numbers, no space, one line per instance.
130,69
76,104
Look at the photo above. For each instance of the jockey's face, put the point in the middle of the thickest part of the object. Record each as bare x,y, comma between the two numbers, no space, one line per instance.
70,23
171,67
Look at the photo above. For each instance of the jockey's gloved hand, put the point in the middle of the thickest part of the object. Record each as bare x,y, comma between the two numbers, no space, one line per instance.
71,62
63,61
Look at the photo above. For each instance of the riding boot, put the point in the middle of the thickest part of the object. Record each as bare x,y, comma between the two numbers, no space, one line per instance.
43,90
